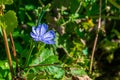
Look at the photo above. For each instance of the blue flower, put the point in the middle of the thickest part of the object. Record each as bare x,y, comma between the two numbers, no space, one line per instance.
40,33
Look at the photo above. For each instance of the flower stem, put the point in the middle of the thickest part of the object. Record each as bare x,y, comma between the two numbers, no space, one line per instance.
8,52
29,54
14,51
40,16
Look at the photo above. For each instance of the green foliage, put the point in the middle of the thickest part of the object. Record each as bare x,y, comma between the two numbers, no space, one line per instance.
78,72
4,69
45,56
75,23
6,2
56,72
10,21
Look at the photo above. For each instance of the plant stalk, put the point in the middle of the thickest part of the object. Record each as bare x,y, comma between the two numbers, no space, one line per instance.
8,52
14,51
96,38
29,55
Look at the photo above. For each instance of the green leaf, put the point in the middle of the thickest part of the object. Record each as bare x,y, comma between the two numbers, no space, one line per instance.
6,2
50,60
29,7
78,72
56,72
10,20
108,46
85,51
45,56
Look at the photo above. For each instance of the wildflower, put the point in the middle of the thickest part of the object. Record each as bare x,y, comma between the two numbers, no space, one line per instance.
40,33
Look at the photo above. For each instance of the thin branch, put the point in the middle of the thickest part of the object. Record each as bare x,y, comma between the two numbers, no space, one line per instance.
107,17
79,7
41,3
66,22
14,51
29,55
96,38
8,52
115,4
42,65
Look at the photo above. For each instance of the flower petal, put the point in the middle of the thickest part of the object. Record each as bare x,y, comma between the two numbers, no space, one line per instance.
49,35
36,39
33,35
40,33
38,30
43,29
33,30
49,42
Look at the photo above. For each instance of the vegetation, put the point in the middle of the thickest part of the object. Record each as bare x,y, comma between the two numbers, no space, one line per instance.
82,41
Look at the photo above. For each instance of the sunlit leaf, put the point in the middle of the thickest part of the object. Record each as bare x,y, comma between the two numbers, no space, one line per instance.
29,7
46,56
50,60
109,46
55,71
78,72
110,57
85,51
10,20
6,2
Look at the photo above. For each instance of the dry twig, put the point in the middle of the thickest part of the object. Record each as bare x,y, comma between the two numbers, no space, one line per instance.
96,38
